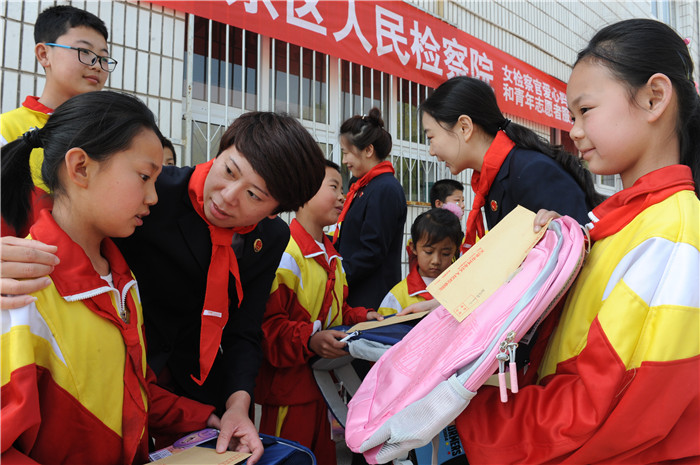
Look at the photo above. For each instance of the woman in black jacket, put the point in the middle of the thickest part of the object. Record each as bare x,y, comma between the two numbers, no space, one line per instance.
372,220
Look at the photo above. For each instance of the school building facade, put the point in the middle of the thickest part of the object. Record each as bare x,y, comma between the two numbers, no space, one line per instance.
199,64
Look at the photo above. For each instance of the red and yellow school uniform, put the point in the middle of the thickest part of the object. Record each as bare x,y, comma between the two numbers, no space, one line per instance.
620,378
308,294
407,292
13,124
75,384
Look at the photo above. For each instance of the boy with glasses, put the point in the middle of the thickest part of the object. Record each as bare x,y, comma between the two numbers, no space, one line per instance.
71,46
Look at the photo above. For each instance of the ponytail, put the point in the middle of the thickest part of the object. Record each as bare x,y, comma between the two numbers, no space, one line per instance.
363,131
528,139
16,179
101,123
689,131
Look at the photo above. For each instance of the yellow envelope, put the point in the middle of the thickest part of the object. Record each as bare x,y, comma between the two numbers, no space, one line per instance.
487,265
386,321
203,456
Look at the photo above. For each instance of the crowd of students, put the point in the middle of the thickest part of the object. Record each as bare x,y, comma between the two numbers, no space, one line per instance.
234,303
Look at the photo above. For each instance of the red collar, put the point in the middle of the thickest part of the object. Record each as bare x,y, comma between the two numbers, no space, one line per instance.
416,285
75,276
481,184
378,169
307,244
33,104
620,209
310,249
76,279
223,264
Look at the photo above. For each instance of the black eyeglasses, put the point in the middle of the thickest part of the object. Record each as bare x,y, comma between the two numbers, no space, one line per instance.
88,57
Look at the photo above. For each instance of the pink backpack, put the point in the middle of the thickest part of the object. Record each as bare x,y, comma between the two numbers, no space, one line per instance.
421,384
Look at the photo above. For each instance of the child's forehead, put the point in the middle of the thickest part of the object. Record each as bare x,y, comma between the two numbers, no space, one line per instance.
332,173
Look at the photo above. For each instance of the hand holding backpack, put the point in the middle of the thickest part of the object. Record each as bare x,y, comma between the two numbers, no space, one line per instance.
421,384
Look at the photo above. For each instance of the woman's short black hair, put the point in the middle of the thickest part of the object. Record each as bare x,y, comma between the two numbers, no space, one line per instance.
282,152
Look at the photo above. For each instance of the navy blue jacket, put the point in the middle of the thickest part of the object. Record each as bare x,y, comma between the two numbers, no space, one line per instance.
535,181
371,240
170,256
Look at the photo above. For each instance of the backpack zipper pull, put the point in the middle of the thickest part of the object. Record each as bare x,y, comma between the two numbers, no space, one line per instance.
350,336
502,358
512,367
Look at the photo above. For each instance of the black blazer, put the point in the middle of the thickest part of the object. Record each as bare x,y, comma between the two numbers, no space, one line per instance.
535,181
371,240
170,257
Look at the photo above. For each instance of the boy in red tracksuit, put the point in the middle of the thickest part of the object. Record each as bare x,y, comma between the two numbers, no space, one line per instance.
308,296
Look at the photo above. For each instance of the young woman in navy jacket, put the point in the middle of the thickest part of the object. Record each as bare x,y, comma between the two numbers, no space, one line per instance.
511,164
371,223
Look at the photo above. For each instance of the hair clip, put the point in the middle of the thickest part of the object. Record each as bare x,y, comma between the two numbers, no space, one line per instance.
687,41
31,138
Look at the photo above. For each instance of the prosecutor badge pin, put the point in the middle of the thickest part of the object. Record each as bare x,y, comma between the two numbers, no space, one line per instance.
257,245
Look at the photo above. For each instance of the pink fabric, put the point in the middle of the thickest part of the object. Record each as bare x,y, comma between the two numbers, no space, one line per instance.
454,208
440,345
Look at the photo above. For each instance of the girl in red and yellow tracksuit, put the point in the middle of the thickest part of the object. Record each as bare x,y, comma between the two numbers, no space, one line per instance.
619,381
75,384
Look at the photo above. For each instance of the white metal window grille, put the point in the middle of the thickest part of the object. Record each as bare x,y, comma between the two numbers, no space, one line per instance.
226,66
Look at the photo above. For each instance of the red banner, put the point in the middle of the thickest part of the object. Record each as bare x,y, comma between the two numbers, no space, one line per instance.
397,38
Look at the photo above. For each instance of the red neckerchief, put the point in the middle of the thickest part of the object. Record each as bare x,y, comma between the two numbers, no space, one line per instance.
306,242
33,103
379,168
416,285
412,259
481,184
76,279
223,262
617,211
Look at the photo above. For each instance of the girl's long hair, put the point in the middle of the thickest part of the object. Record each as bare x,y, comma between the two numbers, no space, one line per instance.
634,50
100,123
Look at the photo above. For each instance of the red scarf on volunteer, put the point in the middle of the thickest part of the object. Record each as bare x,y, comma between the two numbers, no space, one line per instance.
379,168
223,262
621,208
75,277
481,184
